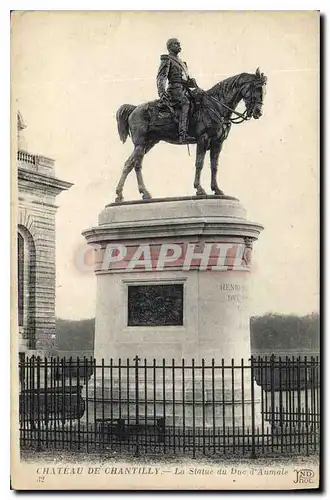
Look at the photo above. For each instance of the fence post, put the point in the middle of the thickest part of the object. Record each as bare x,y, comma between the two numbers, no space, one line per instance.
72,414
164,397
183,406
62,399
213,408
173,402
85,403
46,399
300,427
94,375
253,450
307,385
193,407
281,413
22,400
38,395
21,364
272,389
85,378
203,403
137,359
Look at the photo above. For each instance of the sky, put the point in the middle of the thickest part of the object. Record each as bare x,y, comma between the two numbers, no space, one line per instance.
70,73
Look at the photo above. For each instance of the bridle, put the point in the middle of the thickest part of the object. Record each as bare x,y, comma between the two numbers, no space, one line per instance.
240,117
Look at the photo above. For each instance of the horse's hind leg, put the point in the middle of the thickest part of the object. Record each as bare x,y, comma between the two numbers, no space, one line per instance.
139,155
129,165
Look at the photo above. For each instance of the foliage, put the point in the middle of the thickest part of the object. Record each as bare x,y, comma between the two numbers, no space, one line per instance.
269,333
277,332
75,335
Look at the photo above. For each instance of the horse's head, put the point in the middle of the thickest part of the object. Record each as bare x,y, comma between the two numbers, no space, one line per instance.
253,93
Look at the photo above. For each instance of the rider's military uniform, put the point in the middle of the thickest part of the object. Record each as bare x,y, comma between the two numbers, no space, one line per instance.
175,72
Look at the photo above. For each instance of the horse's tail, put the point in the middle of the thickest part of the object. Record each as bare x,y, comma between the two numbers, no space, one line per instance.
122,116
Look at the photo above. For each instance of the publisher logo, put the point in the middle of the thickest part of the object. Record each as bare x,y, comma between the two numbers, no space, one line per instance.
304,476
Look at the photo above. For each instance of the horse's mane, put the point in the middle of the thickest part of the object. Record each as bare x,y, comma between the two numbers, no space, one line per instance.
229,84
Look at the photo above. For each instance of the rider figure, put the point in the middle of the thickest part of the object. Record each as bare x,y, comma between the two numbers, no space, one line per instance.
175,72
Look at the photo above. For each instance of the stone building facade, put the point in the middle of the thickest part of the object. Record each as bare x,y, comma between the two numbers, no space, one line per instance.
37,190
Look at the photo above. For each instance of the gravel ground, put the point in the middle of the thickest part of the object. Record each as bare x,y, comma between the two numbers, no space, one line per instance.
112,458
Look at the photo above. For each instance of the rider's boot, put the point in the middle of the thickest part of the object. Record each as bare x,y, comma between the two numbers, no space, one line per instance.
183,126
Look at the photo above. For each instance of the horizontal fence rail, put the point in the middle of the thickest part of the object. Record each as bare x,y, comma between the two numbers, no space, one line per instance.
263,406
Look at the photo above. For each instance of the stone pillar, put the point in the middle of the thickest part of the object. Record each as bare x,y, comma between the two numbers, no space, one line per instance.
200,249
38,188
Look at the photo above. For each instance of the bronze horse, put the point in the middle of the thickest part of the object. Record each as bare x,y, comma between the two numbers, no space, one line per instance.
210,120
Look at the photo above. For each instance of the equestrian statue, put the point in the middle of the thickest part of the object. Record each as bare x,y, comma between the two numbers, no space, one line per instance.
185,114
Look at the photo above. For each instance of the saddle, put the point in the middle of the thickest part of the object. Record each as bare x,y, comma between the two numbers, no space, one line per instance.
162,111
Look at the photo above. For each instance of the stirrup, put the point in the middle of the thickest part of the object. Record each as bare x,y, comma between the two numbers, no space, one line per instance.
184,137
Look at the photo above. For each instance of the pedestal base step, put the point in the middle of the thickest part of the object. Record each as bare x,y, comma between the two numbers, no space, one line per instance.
124,427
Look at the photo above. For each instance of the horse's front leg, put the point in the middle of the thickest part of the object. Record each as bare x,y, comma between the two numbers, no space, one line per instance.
139,154
200,156
215,150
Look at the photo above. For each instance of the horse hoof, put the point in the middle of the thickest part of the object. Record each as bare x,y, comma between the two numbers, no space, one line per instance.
218,192
146,196
119,198
200,192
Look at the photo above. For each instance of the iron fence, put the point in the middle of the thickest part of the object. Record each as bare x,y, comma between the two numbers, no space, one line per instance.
263,406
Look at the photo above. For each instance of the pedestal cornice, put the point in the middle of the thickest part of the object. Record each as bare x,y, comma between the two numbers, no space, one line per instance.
209,216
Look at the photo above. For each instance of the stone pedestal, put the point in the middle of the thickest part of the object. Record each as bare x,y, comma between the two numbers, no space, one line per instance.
199,249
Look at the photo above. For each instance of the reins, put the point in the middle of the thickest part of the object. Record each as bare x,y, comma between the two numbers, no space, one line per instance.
240,118
243,116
